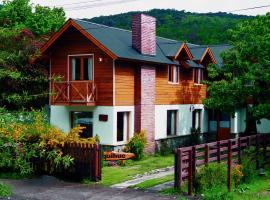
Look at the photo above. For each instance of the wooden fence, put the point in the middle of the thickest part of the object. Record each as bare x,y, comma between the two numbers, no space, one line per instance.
187,159
87,162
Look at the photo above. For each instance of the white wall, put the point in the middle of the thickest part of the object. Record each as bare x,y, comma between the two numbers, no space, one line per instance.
107,131
184,119
264,126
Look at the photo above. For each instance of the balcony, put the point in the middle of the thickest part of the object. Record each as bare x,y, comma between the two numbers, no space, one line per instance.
74,93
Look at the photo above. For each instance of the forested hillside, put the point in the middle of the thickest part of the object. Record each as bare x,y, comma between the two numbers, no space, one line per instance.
209,28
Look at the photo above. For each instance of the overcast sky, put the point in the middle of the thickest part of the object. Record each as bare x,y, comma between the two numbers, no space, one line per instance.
94,8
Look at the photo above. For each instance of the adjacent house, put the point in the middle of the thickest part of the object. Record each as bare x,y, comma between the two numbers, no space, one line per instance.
116,82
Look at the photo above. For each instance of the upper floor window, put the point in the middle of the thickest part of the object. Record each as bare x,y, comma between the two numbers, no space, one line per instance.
173,74
82,67
198,75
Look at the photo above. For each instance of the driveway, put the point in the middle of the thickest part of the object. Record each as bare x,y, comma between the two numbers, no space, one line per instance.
50,188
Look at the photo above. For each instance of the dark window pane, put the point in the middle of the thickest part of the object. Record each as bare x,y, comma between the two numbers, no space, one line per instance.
171,122
120,126
84,119
224,116
77,69
88,67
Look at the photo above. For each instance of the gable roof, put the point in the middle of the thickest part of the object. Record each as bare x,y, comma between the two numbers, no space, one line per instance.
117,43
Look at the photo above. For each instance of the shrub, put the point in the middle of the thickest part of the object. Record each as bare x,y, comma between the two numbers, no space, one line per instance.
195,137
24,138
248,166
164,149
5,190
210,177
137,144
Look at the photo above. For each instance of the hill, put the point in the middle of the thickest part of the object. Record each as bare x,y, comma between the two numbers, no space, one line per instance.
198,28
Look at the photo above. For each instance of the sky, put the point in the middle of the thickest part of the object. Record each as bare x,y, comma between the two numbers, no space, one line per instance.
95,8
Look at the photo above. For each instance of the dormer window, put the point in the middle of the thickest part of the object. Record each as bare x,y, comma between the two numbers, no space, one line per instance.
173,74
198,75
81,67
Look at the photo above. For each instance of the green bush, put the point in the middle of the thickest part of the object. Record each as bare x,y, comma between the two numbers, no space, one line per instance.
210,177
137,144
164,149
5,190
217,193
248,163
26,137
195,137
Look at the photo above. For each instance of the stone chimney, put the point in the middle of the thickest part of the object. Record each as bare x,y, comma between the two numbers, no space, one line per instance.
144,34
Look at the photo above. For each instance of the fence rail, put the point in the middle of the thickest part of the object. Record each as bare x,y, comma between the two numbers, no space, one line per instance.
87,162
187,159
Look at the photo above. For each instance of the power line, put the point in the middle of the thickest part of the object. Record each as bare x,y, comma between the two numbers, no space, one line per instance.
94,5
75,3
251,8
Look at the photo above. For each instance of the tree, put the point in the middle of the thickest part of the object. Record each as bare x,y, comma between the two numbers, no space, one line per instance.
244,78
23,30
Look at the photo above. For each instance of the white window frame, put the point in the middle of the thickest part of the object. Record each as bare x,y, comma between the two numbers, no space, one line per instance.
178,74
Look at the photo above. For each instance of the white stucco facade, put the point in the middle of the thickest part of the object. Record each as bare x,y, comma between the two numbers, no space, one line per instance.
184,119
107,130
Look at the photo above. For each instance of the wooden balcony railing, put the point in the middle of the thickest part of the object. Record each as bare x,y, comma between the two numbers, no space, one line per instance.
80,92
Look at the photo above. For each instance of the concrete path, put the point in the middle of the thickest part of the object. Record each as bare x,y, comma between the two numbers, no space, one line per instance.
158,188
50,188
156,174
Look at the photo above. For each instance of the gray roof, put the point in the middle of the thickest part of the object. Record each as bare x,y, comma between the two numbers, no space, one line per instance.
119,42
217,50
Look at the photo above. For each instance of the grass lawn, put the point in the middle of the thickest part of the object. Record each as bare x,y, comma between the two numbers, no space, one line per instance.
259,189
5,190
153,182
117,174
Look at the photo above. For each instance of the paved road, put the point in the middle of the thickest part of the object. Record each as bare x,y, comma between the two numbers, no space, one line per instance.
50,188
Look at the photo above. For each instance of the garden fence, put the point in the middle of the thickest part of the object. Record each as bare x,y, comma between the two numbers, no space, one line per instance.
87,162
187,159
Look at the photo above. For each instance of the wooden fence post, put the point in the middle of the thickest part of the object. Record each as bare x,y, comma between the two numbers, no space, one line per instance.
257,151
229,174
190,174
193,159
178,169
206,154
239,151
264,149
218,151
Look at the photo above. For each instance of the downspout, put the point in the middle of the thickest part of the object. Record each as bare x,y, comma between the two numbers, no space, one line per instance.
113,82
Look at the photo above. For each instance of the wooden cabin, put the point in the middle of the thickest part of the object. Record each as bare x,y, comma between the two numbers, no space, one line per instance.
116,82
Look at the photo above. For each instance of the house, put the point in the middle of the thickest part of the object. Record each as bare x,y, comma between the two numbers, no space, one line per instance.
116,82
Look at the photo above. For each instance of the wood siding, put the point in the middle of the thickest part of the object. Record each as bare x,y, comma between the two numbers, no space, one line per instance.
186,92
124,84
73,42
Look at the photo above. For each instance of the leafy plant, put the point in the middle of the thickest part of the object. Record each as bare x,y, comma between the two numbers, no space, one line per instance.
248,166
5,190
195,136
164,149
210,177
137,144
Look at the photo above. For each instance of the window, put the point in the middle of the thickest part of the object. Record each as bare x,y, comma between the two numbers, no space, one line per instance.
196,118
171,122
173,74
198,75
122,126
83,119
82,68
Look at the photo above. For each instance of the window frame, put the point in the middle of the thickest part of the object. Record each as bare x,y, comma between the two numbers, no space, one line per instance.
72,118
170,73
81,56
175,111
196,75
195,113
126,126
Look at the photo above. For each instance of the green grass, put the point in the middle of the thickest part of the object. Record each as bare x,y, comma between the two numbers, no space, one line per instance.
118,174
259,189
153,182
5,190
